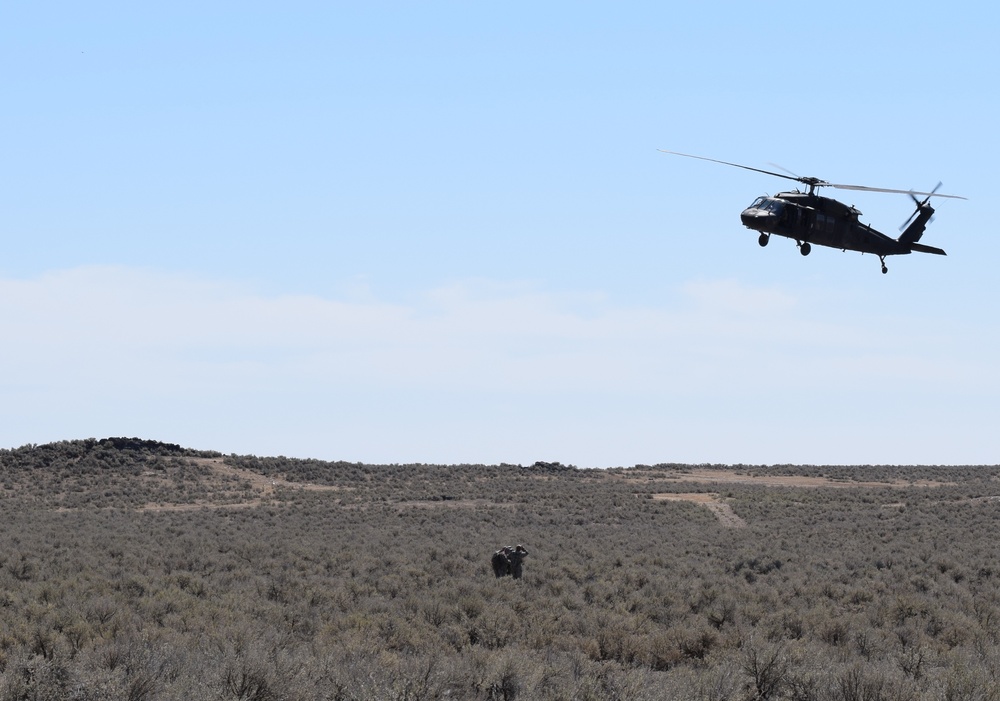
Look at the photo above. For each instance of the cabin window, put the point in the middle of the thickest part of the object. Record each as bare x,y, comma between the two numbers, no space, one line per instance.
759,203
825,223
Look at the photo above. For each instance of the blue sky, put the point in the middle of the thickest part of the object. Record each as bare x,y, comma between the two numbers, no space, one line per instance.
442,232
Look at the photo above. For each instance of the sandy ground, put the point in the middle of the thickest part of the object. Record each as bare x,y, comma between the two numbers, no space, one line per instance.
724,512
733,477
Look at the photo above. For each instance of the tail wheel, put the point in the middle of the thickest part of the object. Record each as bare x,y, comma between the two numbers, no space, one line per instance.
805,248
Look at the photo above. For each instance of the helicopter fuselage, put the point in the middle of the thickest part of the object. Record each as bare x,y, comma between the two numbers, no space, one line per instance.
811,219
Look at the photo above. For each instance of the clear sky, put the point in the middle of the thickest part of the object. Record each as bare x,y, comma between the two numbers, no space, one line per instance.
442,232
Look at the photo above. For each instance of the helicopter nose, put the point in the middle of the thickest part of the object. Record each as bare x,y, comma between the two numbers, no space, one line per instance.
753,218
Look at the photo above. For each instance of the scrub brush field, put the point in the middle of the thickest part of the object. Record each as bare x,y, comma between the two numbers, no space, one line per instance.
135,569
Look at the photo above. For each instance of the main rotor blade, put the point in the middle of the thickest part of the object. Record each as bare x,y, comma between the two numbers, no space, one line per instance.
885,189
814,182
735,165
783,168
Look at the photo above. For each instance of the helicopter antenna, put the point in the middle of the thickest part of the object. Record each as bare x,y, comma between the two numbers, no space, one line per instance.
814,183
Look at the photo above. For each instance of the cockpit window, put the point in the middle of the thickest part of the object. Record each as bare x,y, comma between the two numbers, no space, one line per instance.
767,204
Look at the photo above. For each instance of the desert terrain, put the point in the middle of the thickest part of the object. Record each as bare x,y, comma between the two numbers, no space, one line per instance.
135,569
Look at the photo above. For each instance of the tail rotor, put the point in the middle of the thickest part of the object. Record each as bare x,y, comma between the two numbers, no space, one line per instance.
920,207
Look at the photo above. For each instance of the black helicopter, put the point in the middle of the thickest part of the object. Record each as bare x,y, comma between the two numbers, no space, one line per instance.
810,219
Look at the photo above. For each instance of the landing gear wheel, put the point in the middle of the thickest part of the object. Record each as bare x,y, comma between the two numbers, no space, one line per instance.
764,238
884,269
805,248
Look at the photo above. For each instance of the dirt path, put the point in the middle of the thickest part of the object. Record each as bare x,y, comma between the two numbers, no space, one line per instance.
226,478
266,485
723,511
734,477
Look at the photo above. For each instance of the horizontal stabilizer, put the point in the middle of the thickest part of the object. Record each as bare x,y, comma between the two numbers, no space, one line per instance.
920,248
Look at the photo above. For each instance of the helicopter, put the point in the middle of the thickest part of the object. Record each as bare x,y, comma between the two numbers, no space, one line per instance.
809,219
